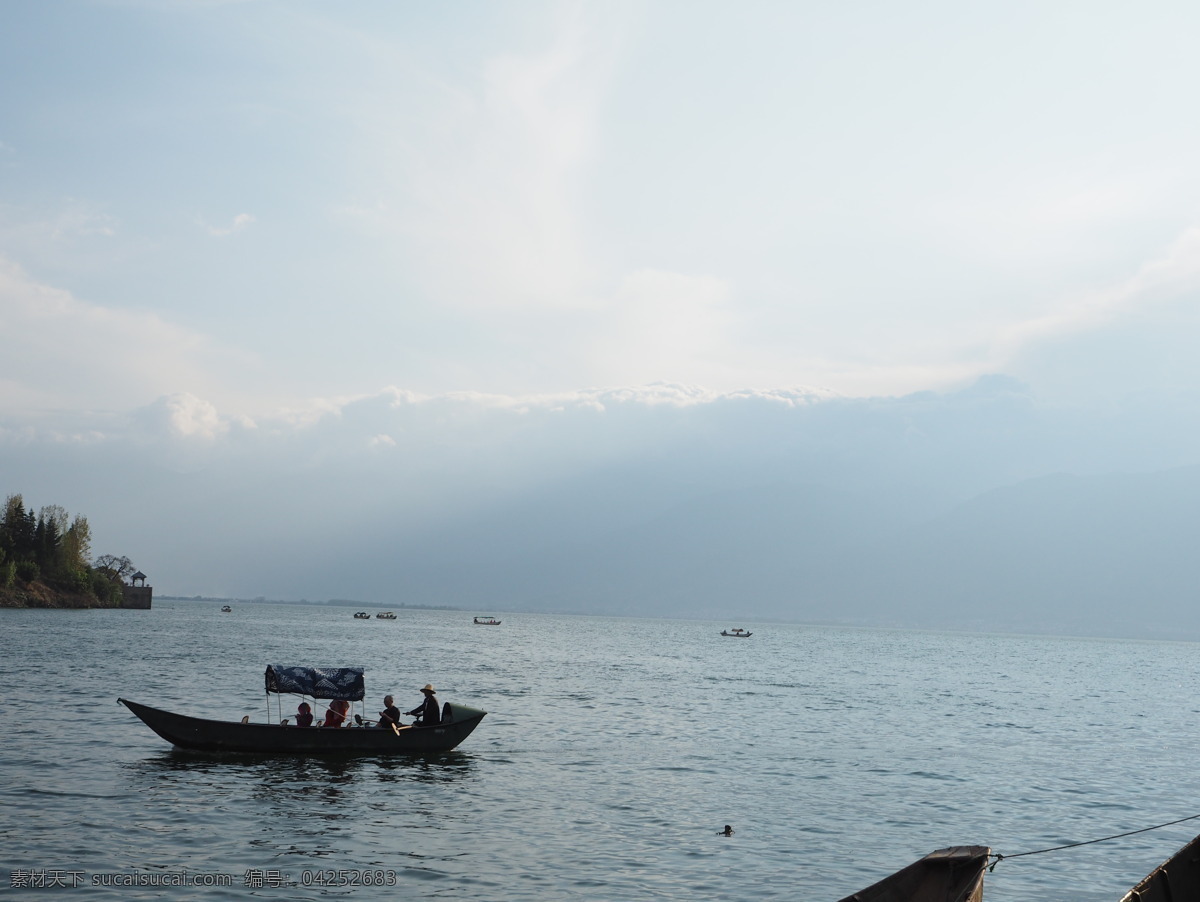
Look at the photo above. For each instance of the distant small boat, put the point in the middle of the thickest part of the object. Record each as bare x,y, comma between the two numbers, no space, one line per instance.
226,609
487,620
385,615
738,633
947,875
362,615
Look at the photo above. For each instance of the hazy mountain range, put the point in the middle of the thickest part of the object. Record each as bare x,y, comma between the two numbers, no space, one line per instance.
979,509
1083,555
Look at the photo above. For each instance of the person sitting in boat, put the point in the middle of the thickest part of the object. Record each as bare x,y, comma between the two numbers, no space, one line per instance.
304,715
336,715
390,715
427,712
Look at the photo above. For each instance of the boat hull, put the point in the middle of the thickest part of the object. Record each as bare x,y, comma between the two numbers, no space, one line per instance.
947,875
1175,879
199,734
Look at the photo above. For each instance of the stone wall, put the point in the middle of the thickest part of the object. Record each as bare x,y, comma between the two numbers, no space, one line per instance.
136,597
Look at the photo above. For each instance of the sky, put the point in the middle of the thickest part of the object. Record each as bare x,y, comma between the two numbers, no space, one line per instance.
242,235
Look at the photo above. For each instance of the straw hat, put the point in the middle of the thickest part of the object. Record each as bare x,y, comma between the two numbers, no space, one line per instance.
429,688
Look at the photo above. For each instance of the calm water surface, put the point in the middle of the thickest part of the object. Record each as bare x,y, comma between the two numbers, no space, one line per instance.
613,752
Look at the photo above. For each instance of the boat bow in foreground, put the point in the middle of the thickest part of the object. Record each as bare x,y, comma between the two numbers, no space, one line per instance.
956,875
947,875
1175,879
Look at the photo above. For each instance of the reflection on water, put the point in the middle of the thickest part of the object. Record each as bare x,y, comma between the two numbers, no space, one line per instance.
449,768
296,770
304,809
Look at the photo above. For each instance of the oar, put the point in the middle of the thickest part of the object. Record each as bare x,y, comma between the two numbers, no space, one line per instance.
391,723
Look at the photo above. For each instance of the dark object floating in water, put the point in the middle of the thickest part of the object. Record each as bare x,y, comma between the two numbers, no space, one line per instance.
226,609
385,615
487,621
200,734
737,633
362,615
947,875
728,831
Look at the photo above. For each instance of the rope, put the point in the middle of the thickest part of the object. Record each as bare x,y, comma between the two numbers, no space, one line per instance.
999,858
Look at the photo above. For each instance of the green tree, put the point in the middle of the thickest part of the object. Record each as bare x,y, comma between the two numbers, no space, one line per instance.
115,569
56,514
77,544
17,528
47,546
105,589
55,549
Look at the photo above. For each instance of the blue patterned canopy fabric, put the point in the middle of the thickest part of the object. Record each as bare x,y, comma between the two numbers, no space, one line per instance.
319,682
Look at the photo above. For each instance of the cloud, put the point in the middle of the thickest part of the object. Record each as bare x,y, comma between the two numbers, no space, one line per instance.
70,222
1175,273
240,222
488,200
183,415
58,352
1110,329
662,326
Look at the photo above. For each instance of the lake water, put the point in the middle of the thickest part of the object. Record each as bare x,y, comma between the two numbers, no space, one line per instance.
613,752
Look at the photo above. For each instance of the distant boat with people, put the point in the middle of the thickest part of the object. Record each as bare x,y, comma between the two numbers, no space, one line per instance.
226,609
737,633
385,615
486,620
362,615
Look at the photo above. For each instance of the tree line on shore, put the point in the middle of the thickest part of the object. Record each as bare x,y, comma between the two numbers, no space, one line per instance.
53,549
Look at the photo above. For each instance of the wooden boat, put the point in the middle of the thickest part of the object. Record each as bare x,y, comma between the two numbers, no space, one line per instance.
1174,879
956,875
226,609
486,621
737,633
385,615
200,734
947,875
362,615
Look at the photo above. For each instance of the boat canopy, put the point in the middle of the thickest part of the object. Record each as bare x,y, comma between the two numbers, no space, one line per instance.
319,682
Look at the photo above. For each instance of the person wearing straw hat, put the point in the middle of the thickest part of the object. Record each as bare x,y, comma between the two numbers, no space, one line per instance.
427,712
